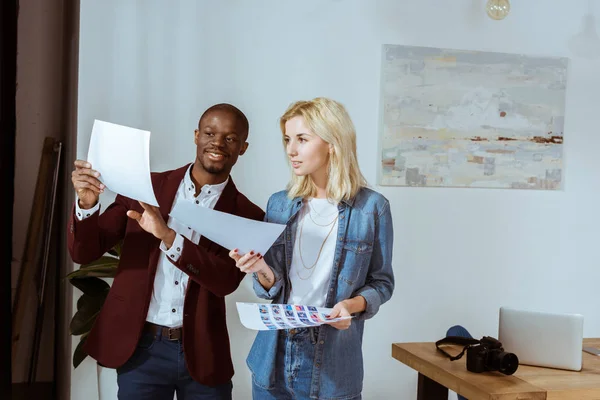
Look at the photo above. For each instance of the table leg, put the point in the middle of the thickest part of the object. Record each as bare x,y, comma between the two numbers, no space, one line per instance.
428,389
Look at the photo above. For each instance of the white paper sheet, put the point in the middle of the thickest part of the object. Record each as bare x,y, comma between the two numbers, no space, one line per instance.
264,317
122,156
227,230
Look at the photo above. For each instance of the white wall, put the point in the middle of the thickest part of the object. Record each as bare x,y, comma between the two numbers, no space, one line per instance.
459,254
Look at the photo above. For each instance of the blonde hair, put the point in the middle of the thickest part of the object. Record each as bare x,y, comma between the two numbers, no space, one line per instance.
329,120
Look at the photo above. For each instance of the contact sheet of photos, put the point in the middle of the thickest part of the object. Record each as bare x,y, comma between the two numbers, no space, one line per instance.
282,316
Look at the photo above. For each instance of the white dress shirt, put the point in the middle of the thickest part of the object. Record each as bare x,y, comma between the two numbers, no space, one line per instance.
170,283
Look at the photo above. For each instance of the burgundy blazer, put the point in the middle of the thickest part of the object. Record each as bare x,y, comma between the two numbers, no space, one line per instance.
213,275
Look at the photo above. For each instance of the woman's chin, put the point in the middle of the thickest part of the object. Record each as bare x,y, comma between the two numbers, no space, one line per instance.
298,172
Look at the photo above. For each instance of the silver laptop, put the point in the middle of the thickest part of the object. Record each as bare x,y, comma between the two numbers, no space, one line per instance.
542,339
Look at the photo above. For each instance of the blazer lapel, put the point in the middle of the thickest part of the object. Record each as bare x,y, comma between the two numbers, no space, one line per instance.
226,203
165,191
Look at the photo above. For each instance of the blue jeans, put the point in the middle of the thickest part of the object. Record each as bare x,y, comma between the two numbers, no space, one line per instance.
458,330
157,370
294,366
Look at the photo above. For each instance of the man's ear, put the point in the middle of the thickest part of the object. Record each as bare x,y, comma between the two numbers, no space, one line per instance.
244,148
196,133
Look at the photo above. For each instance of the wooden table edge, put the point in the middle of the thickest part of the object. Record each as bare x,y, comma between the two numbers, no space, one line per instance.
447,380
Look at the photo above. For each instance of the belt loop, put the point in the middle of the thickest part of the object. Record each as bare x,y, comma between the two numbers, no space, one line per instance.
314,333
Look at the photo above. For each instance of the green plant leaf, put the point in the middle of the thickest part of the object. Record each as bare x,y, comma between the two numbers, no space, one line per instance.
79,355
87,279
102,261
116,251
104,267
96,271
82,323
90,285
88,308
91,303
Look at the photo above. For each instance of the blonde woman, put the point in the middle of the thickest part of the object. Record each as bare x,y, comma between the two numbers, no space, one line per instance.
336,252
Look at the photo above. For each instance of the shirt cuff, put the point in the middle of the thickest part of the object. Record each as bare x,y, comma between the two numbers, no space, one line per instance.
82,214
174,252
373,300
264,293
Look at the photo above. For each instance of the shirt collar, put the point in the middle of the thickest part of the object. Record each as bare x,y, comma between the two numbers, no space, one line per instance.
190,187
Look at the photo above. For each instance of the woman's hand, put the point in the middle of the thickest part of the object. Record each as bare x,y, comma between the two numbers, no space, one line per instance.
250,262
254,262
341,309
346,308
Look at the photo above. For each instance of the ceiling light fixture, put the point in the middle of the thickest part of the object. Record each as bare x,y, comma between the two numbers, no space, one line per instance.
497,9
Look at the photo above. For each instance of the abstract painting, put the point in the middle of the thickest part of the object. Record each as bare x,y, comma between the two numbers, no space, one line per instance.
455,118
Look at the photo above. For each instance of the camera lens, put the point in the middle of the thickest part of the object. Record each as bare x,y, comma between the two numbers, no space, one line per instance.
509,363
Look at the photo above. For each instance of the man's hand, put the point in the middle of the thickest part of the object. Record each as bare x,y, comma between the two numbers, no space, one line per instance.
152,222
86,183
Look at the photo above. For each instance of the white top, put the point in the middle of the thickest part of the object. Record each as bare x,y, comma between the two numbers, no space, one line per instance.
170,283
312,258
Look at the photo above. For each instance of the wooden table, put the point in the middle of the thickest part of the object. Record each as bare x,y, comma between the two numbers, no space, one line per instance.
437,374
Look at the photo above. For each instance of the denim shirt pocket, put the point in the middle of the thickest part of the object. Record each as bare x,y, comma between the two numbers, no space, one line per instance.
275,256
357,256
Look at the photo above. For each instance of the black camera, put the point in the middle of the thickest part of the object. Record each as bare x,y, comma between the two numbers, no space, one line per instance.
489,355
483,355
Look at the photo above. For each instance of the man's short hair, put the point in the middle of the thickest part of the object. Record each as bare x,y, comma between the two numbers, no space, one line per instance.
231,109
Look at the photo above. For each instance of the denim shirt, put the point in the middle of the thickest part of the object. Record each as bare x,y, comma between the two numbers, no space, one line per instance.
362,266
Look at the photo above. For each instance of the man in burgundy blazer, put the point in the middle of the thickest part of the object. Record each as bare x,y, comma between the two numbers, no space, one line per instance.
165,264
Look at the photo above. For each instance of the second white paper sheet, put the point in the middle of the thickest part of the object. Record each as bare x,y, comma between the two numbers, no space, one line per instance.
227,230
122,157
